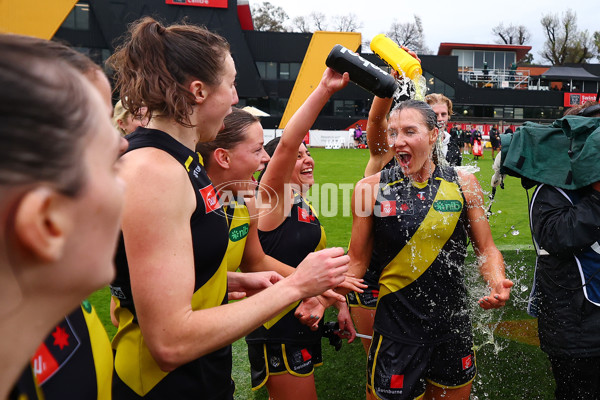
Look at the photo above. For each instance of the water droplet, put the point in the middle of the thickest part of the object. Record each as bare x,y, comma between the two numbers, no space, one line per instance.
515,232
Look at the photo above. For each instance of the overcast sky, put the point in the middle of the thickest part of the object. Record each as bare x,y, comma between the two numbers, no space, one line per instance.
464,21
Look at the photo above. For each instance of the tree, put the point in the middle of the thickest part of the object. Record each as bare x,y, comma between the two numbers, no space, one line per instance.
512,34
268,17
347,23
315,21
596,38
301,24
319,21
564,43
409,34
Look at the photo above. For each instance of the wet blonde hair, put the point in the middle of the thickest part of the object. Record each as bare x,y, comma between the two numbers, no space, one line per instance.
120,114
436,98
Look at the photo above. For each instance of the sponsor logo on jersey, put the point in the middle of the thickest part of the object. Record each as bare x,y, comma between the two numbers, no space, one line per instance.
305,216
397,382
239,232
388,208
305,355
211,201
55,351
375,293
467,362
421,196
447,205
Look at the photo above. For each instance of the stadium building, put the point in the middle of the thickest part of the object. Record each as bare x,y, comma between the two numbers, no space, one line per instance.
482,80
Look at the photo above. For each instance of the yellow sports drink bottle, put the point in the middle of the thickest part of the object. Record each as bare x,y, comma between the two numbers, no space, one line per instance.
395,56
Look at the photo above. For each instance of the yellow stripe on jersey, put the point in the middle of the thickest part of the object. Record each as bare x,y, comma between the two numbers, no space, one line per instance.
133,362
187,163
323,242
212,293
101,351
269,324
435,230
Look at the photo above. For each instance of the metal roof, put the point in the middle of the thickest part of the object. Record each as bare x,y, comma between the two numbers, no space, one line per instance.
446,48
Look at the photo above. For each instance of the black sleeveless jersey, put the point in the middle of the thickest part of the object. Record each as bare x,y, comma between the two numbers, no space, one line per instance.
420,238
75,359
26,388
300,234
208,377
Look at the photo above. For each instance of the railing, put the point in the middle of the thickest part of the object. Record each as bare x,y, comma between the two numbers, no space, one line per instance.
496,78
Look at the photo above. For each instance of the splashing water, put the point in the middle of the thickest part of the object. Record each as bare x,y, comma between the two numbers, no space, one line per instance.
485,322
410,89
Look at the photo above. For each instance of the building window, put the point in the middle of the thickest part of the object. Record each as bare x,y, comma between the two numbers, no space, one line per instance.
271,70
294,70
518,113
260,66
511,58
267,69
345,108
489,59
78,18
436,85
498,112
284,71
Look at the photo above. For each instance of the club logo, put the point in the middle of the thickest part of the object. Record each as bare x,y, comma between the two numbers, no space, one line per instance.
275,361
55,351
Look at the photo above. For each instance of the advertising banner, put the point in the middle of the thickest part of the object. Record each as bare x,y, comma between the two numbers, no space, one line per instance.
575,99
199,3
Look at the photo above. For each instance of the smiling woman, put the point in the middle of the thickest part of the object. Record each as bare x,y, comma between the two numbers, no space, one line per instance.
171,289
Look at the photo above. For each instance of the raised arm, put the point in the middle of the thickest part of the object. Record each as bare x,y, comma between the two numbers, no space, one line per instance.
273,183
161,262
377,141
491,262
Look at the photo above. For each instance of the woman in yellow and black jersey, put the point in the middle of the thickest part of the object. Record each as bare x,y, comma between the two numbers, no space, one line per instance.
417,217
283,352
174,334
231,161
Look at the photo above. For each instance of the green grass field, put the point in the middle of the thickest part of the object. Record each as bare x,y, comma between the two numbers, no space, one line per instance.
509,368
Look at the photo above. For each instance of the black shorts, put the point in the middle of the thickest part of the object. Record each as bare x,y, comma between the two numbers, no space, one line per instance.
401,371
367,299
298,360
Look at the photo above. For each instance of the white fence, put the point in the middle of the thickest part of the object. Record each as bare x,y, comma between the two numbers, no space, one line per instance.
320,138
